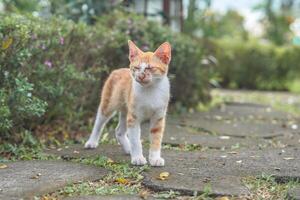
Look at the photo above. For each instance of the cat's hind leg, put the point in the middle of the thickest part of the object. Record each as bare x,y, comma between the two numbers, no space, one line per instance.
120,132
101,120
108,105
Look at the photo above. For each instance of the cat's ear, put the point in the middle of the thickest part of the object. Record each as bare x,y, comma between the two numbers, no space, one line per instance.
134,51
164,52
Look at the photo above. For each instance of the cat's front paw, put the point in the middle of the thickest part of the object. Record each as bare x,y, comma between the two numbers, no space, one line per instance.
157,162
140,160
91,144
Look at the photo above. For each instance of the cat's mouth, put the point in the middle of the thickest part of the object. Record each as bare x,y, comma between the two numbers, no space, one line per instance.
143,82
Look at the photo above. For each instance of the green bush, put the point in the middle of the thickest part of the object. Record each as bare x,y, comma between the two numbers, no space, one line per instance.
252,65
42,72
53,70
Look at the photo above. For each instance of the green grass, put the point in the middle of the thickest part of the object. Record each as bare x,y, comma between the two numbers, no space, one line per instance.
294,86
184,147
98,188
122,179
29,149
267,188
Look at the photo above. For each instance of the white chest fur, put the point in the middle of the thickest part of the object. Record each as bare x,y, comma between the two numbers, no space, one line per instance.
151,101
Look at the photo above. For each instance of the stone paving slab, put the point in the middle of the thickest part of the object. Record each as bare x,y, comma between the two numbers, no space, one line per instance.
110,197
239,129
247,111
25,179
294,194
223,170
241,120
291,140
179,135
191,171
225,127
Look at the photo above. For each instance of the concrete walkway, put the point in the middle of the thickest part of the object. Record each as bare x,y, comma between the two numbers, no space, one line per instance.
233,141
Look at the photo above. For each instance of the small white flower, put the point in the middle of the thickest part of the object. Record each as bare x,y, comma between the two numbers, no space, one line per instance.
84,7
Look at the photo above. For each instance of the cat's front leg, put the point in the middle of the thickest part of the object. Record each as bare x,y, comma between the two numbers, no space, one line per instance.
157,127
134,135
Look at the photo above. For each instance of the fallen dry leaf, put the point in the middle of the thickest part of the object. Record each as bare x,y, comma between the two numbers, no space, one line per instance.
218,117
110,161
181,146
223,198
48,198
206,180
289,158
2,166
144,194
254,156
232,152
34,177
6,43
122,181
294,126
224,137
163,176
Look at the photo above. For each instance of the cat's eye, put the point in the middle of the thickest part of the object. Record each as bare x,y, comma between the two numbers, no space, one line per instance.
151,68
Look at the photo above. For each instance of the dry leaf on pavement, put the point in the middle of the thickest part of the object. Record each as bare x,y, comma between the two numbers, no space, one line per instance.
122,181
2,166
144,194
163,176
110,161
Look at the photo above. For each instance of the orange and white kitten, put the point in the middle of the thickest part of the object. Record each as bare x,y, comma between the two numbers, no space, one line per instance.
139,93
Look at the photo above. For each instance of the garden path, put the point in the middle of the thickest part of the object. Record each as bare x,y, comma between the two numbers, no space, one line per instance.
217,149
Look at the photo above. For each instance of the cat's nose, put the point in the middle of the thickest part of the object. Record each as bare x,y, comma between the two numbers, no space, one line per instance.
142,76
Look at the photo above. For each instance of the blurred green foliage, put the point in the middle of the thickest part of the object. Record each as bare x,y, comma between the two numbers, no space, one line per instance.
21,6
252,65
277,21
79,11
206,23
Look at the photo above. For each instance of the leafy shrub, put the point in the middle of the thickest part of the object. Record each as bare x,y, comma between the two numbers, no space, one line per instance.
252,65
53,70
39,79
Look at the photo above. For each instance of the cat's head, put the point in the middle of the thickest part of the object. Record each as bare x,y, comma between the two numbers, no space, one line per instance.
149,67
